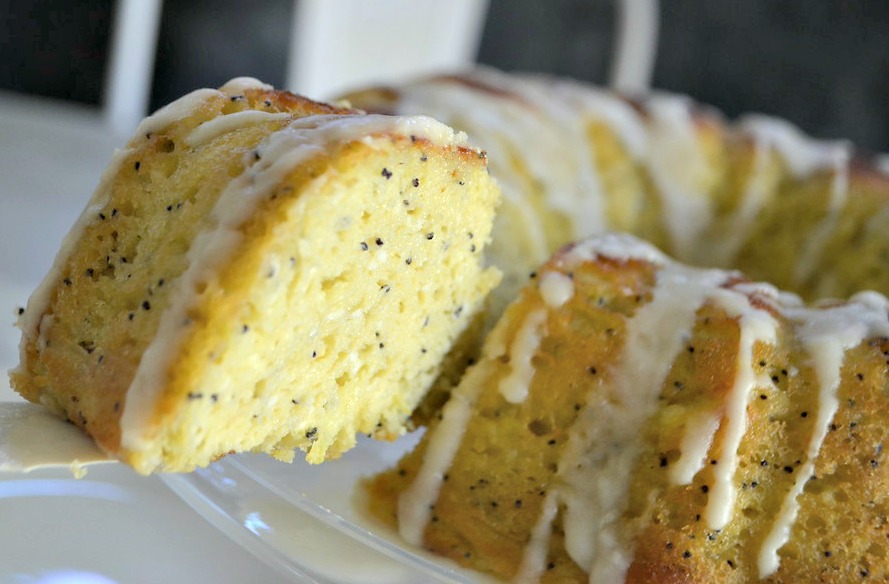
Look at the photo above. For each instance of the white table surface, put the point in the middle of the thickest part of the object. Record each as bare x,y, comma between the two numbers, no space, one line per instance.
113,525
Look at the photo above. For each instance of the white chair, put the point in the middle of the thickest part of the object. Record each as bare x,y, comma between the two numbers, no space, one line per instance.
342,44
635,45
337,45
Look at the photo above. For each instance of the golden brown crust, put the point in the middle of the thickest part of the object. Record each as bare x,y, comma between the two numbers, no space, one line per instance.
380,100
278,100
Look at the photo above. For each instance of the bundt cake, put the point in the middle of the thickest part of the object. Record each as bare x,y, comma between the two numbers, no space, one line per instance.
633,419
260,272
574,160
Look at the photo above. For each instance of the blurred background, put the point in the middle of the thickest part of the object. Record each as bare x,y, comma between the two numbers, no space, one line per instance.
822,64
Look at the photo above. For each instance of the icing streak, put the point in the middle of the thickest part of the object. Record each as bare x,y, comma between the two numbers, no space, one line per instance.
826,334
230,122
415,502
598,460
675,163
571,184
617,246
803,157
753,199
514,387
811,253
556,288
756,326
534,558
699,432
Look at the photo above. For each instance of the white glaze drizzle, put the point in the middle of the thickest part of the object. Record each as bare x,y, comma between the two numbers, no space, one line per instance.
281,152
415,502
534,557
756,326
628,127
696,441
723,250
603,445
39,302
576,106
817,238
32,437
619,247
562,158
555,288
514,387
804,156
188,104
606,107
238,85
174,111
826,334
675,162
220,125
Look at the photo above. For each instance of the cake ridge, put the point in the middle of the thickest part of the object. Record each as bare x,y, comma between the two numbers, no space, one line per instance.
673,190
588,493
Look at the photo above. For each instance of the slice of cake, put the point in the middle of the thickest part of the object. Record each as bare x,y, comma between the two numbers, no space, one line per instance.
260,272
636,420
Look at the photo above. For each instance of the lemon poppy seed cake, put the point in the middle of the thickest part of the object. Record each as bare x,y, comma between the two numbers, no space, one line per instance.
575,160
633,419
260,272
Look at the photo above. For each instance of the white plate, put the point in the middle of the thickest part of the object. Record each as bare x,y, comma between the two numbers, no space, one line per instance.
311,520
113,526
